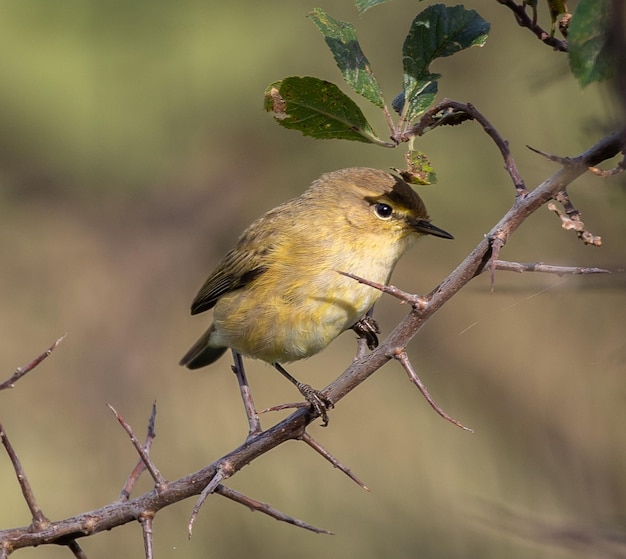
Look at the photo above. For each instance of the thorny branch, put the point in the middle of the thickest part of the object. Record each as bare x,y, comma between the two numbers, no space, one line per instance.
401,355
39,519
449,112
473,265
21,371
141,464
328,456
207,480
142,450
255,505
524,20
520,267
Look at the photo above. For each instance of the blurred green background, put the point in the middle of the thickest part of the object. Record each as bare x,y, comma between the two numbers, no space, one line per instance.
133,151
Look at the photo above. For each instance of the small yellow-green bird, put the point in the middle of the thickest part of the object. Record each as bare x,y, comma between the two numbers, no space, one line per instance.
278,295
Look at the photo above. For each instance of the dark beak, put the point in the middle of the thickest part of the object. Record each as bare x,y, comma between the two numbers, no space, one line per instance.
426,227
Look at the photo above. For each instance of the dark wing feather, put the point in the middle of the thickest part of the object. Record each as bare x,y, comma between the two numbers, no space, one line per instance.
250,258
236,270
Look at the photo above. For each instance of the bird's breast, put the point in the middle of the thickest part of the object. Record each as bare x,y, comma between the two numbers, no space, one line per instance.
301,303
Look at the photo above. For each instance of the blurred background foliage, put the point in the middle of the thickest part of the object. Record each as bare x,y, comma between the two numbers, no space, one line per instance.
134,149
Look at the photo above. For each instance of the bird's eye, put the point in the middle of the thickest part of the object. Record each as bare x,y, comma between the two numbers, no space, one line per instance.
384,211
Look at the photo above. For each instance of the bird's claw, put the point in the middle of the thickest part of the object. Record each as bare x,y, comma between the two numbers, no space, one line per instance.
367,328
320,404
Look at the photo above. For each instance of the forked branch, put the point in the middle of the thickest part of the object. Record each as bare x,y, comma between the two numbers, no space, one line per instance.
524,20
144,507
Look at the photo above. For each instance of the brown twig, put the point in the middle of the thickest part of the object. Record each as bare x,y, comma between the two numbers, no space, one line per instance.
524,20
619,168
141,465
401,355
471,266
551,157
497,242
328,456
571,221
546,268
21,371
563,198
76,550
416,301
146,520
119,513
159,481
222,472
264,508
432,119
287,406
39,519
571,218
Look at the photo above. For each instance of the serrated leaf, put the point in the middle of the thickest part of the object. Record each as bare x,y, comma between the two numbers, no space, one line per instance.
363,5
341,38
589,55
419,170
436,32
319,109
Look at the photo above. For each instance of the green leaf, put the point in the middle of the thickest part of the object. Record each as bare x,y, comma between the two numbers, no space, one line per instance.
589,55
319,109
436,32
419,169
341,38
363,5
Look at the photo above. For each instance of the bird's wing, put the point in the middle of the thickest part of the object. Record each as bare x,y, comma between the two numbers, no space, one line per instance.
252,256
236,270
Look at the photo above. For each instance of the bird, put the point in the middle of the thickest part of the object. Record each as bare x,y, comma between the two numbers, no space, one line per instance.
280,296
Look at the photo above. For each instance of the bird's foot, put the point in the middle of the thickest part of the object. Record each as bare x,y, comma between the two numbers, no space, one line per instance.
320,404
367,328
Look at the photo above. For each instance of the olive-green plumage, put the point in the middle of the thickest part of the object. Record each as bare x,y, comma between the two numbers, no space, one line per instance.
278,296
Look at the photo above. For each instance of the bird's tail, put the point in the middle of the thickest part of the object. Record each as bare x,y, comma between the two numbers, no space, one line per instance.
202,353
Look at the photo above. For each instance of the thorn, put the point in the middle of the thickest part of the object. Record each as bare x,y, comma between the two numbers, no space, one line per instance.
21,371
219,476
328,456
400,355
264,508
416,301
159,480
141,466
